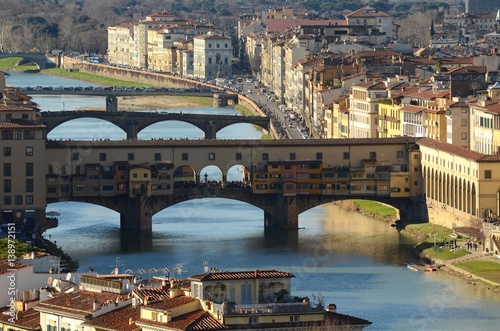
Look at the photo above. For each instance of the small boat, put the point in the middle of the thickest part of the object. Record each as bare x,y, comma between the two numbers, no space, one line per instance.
431,268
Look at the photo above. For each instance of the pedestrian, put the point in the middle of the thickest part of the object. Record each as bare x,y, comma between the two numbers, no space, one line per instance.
475,247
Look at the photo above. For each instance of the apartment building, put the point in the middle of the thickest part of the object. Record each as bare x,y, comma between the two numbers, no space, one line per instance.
363,108
485,122
212,56
22,144
369,21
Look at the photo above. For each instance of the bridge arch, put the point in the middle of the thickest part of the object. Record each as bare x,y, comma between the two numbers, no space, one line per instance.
92,129
39,59
170,129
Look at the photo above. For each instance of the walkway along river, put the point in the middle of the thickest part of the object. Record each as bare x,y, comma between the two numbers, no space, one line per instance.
345,258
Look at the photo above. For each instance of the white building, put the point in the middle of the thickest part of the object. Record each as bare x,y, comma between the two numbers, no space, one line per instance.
212,56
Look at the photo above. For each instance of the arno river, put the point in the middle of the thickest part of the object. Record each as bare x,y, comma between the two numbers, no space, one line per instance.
346,258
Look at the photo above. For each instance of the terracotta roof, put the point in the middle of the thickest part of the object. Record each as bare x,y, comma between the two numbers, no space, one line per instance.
79,303
27,320
468,69
228,143
373,85
19,124
281,25
117,320
330,319
5,266
153,294
367,12
491,106
170,303
452,149
212,37
236,275
197,320
4,108
412,109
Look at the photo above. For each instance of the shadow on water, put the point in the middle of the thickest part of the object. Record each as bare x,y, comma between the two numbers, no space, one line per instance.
135,241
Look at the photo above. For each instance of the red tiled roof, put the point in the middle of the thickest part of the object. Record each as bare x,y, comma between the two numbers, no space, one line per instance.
234,275
452,149
5,266
197,320
153,294
18,124
412,109
171,302
367,12
27,320
79,303
468,70
280,25
118,319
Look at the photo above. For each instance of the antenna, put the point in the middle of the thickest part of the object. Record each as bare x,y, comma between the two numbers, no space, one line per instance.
178,269
206,268
118,263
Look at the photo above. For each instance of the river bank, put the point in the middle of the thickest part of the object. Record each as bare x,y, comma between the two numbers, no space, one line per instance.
474,266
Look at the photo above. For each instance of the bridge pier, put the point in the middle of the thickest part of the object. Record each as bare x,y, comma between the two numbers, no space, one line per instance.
132,130
283,213
210,130
111,104
137,215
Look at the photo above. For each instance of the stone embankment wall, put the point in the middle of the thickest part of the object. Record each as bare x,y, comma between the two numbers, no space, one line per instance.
441,214
140,76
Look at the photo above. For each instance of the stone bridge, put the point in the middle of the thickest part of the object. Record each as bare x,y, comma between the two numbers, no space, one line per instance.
280,212
40,59
134,122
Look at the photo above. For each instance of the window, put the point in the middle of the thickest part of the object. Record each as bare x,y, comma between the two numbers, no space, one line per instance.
463,136
346,155
399,154
185,156
265,157
29,151
29,185
415,183
253,320
464,122
209,60
134,175
7,185
29,199
294,318
18,134
415,169
157,156
487,174
130,156
211,156
373,155
29,169
383,188
102,156
18,199
292,156
76,156
29,134
7,135
145,175
7,200
7,169
319,156
6,151
209,45
238,156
